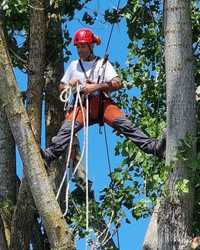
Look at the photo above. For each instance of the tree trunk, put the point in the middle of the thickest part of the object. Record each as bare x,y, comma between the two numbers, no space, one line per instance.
25,209
7,161
3,242
7,177
53,107
23,217
175,216
57,230
37,65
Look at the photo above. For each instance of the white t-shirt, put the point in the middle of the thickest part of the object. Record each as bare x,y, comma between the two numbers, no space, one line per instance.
92,69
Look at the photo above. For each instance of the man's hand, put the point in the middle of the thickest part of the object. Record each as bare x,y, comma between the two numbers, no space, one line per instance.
89,88
74,82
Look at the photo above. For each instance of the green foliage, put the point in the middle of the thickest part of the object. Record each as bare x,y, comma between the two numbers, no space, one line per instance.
144,72
182,186
140,179
16,24
16,13
113,16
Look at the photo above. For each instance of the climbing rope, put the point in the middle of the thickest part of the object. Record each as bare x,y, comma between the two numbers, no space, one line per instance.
65,97
102,72
110,175
86,169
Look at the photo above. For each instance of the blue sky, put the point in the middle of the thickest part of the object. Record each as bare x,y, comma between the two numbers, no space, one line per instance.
131,236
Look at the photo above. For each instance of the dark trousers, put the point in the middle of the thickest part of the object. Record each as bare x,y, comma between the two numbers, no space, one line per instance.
112,115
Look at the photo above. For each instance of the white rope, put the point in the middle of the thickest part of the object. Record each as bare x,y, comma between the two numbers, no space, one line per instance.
82,154
68,177
67,94
71,137
70,148
84,125
86,169
65,97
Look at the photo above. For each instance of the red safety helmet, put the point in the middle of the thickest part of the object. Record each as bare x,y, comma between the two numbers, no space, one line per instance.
86,36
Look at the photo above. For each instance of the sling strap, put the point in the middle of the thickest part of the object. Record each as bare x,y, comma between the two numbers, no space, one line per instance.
101,96
92,70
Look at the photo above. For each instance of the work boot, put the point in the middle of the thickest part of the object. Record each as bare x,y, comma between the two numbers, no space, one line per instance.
46,160
161,147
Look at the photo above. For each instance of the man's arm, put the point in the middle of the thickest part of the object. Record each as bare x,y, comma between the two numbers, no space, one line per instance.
113,85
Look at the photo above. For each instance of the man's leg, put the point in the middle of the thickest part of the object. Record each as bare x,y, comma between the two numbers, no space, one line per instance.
60,142
116,119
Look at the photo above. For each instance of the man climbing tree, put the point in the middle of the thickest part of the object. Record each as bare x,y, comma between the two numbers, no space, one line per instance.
97,78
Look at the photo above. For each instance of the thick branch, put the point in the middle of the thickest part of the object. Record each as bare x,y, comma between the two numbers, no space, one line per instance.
23,219
37,63
7,174
55,225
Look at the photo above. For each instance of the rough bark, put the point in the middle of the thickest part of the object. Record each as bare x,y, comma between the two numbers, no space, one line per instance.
7,161
7,175
54,114
57,230
3,242
22,220
25,208
36,65
175,216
